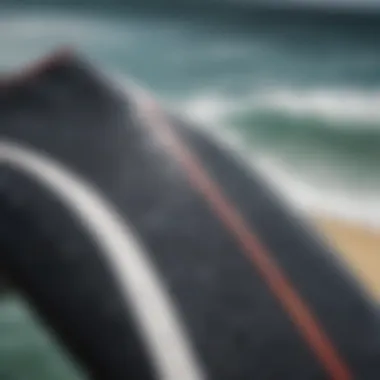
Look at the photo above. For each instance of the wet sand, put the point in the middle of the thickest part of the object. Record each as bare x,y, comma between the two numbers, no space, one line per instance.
359,246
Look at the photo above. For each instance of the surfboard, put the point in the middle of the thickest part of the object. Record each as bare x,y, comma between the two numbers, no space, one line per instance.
154,253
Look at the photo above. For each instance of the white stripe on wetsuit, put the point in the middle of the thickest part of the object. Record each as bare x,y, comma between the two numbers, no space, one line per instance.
154,312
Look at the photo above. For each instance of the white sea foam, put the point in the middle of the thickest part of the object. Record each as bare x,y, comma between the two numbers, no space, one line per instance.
335,105
342,107
346,203
358,205
353,203
208,108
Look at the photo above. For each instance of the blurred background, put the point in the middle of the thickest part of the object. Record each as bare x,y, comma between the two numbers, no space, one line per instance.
293,85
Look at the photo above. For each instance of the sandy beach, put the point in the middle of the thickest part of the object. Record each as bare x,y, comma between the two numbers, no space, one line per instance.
359,246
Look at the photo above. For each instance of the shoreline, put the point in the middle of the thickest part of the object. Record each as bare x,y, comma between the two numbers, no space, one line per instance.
357,245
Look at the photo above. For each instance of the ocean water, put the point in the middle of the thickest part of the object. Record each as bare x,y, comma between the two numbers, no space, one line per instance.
27,350
298,98
301,101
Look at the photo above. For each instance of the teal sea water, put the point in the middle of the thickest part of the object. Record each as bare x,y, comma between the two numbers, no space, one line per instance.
27,350
301,102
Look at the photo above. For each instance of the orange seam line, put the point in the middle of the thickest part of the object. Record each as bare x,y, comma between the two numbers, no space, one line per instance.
277,281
